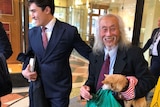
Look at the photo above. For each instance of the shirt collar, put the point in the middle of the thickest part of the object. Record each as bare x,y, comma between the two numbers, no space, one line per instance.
51,24
111,52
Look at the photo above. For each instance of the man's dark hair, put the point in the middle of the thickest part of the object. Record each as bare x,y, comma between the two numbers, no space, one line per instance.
43,4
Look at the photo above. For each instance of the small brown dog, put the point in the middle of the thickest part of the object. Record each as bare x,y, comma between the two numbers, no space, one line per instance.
119,83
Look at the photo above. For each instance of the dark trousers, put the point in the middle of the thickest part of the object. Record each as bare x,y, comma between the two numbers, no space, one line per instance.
37,97
59,102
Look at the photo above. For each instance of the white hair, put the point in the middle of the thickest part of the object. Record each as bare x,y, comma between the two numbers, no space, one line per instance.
98,46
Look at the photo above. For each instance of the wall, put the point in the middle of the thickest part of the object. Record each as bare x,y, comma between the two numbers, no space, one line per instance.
62,3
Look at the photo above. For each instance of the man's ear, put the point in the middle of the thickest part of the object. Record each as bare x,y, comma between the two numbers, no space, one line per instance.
105,75
47,10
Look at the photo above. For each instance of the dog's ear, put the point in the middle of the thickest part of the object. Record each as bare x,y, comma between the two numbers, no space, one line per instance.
104,81
105,75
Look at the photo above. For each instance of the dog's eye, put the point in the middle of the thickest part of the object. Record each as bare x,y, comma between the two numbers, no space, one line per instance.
111,85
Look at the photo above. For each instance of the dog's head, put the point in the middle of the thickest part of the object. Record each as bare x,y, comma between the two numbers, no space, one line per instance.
115,82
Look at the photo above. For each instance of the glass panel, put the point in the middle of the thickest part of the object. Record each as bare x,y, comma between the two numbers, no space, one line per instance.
95,11
60,13
94,19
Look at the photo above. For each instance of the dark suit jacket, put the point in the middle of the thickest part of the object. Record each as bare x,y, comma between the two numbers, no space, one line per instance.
150,41
53,63
129,62
5,46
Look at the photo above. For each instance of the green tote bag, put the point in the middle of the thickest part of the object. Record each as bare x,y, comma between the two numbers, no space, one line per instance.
103,98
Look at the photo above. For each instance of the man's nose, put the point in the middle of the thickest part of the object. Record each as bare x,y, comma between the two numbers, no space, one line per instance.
108,33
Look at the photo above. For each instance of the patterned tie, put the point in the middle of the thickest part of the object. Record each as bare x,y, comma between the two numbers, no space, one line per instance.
44,37
104,70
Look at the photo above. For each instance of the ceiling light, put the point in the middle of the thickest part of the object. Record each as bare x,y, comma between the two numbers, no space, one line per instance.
112,1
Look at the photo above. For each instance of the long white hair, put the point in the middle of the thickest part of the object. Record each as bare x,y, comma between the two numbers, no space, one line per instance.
98,46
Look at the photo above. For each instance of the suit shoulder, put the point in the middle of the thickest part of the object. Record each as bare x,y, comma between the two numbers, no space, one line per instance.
134,50
34,30
66,25
154,31
93,56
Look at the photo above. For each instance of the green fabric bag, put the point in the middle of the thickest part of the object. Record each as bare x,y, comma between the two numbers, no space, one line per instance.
103,98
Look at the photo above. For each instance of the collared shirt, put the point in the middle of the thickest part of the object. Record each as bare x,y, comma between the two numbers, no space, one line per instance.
50,27
154,50
112,53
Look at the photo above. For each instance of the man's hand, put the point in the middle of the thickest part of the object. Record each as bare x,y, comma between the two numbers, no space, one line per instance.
84,92
32,76
130,92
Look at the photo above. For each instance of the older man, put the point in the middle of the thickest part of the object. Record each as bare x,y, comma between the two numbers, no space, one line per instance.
125,59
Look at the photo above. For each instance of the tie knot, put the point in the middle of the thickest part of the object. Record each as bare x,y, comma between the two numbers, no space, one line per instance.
107,56
43,28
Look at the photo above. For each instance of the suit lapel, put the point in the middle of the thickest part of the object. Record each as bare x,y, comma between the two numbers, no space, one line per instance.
36,36
120,61
55,38
99,60
40,40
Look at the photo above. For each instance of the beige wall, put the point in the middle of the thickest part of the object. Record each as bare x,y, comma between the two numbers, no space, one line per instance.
62,3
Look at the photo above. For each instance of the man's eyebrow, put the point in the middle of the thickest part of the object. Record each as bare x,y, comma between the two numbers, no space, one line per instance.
103,27
32,9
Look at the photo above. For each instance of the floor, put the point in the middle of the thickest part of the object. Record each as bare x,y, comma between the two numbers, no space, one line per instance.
19,96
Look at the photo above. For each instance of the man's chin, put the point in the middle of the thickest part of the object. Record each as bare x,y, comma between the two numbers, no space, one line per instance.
110,47
37,25
109,44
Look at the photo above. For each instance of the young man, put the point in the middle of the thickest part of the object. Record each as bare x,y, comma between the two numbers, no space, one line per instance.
125,59
52,60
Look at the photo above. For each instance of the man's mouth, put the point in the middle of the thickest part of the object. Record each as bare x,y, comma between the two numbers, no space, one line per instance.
110,38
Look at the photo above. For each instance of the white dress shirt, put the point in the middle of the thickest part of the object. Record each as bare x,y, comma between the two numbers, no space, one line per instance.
112,53
154,50
50,27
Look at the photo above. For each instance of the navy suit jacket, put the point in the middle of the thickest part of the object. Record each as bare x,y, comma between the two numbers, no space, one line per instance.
129,62
53,63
